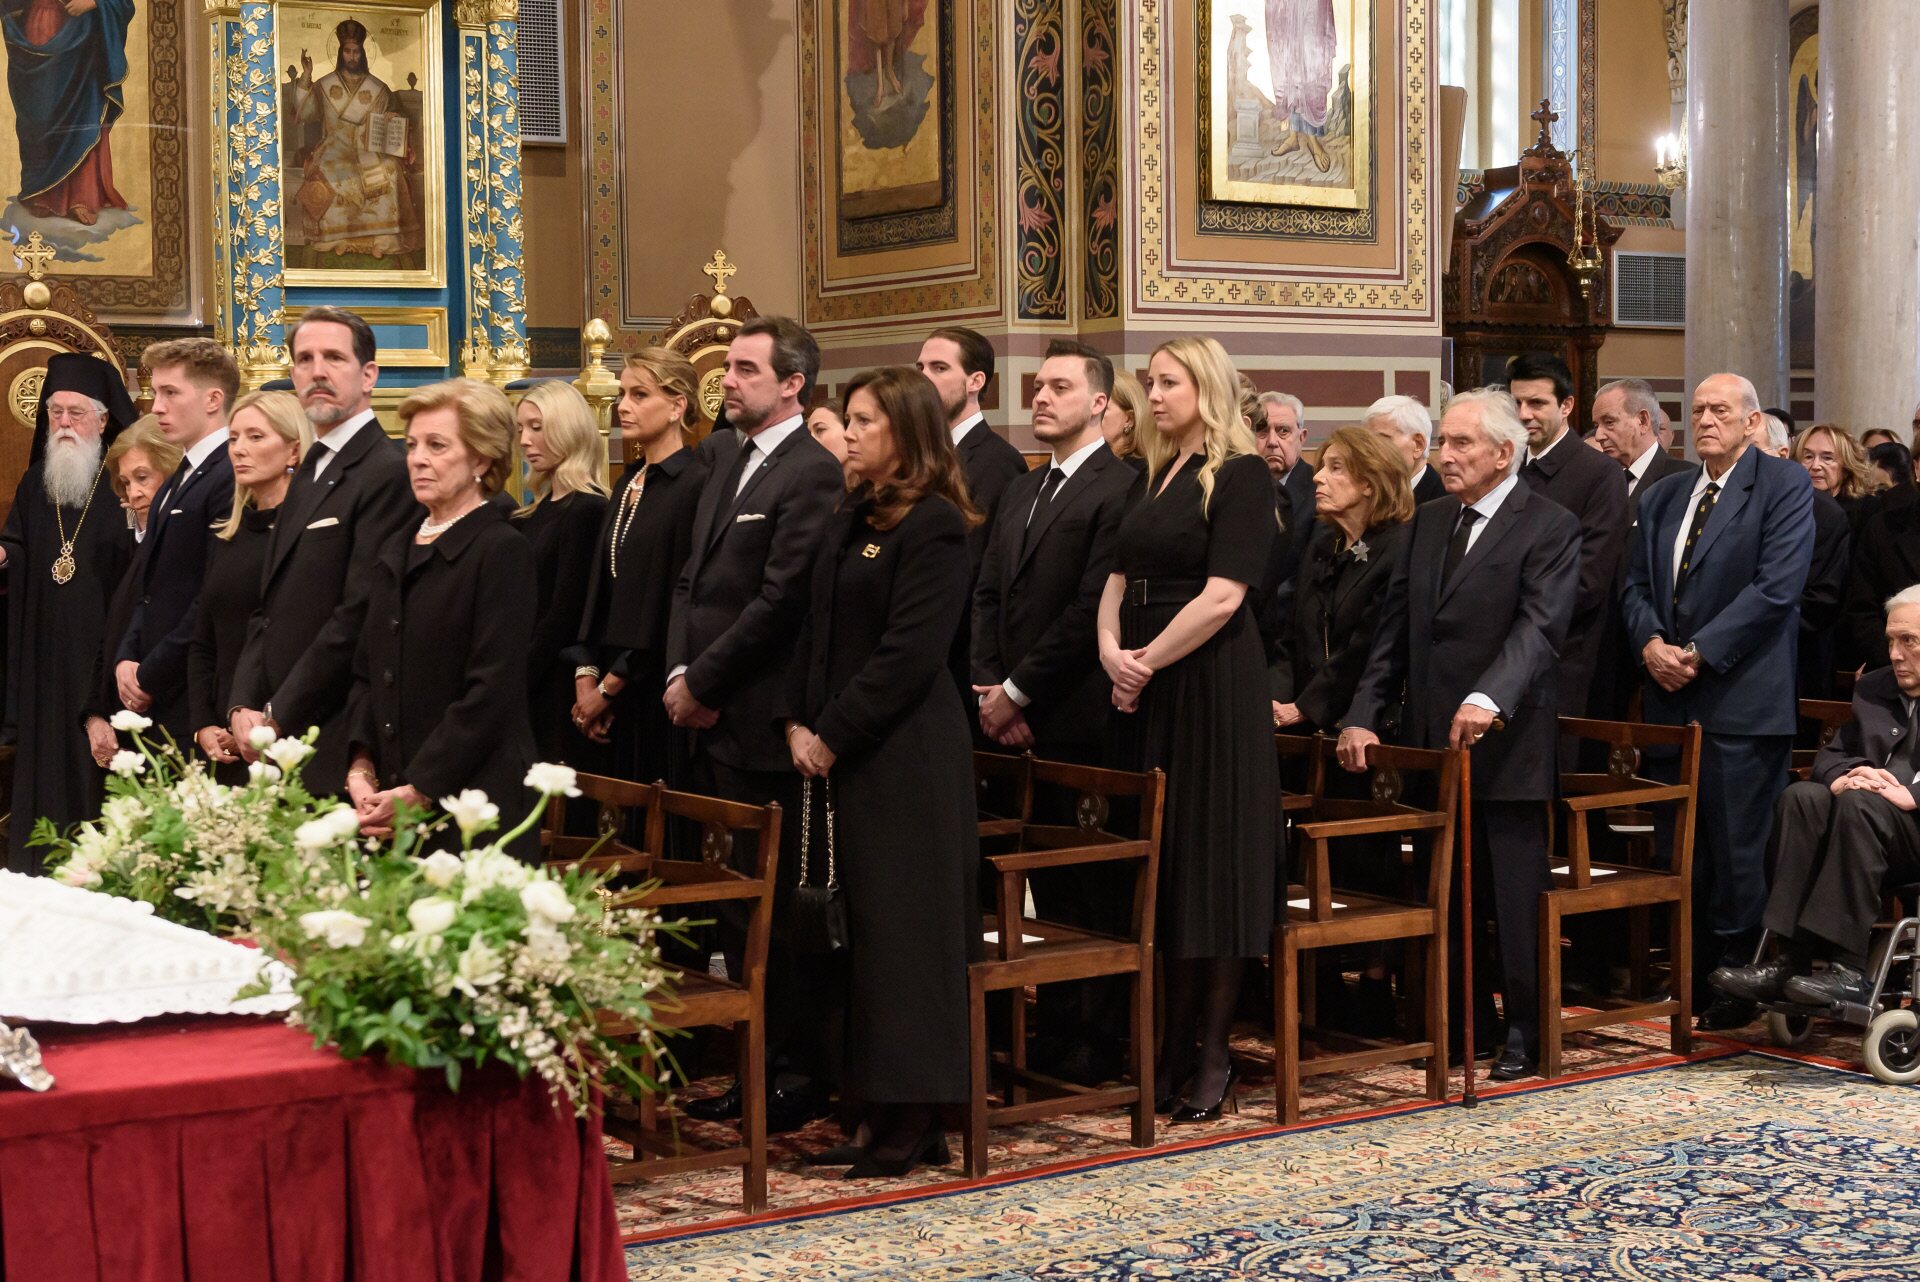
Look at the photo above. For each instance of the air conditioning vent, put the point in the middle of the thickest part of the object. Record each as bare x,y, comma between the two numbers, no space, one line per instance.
543,95
1650,290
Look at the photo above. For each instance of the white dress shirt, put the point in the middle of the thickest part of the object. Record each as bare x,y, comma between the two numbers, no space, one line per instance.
966,425
1639,466
336,438
1700,484
1068,466
1489,504
1414,484
203,448
1565,432
760,446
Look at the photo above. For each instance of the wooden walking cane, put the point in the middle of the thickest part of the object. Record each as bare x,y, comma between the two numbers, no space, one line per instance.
1467,1098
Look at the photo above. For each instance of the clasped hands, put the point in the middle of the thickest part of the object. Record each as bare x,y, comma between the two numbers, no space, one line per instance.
1670,666
593,706
1875,780
685,710
1001,719
811,755
1129,672
377,807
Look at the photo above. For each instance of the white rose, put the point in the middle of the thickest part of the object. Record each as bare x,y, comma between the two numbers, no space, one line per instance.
487,867
552,780
546,901
431,916
329,829
547,945
440,868
127,722
287,753
127,763
471,811
260,738
479,967
341,929
260,771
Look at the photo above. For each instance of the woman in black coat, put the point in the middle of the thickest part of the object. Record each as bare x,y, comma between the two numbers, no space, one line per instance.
618,662
266,440
876,719
439,700
567,458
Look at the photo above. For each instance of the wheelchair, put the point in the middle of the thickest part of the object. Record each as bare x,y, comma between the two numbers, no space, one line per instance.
1890,1015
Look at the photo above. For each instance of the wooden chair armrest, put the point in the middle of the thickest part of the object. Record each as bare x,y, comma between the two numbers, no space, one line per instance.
1325,828
1627,797
693,893
1067,857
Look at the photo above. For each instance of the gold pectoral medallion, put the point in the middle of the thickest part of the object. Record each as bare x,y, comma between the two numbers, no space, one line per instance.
63,565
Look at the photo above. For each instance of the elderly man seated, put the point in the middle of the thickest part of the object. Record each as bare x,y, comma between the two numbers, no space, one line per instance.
1839,837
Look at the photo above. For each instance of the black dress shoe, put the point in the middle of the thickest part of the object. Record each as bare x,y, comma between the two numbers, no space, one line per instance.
1756,982
1514,1063
930,1147
724,1107
1830,987
792,1107
1726,1012
1229,1098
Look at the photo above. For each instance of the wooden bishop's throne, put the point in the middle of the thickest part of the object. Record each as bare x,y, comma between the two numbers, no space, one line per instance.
38,319
1531,270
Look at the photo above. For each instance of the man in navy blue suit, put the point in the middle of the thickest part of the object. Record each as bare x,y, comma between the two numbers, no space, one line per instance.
194,384
1712,606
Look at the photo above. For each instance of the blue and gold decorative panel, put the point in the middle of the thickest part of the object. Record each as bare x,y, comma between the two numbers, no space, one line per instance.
249,287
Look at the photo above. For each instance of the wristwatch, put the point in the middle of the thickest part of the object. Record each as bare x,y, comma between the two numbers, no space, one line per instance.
1692,651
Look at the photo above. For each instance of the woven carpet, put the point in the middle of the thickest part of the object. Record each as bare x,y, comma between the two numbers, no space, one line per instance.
1747,1167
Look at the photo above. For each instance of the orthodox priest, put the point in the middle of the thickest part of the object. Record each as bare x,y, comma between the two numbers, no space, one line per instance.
64,549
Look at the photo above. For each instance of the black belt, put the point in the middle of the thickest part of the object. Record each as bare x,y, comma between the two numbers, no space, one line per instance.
1163,591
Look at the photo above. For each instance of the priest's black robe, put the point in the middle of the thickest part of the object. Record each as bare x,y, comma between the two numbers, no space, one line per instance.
53,639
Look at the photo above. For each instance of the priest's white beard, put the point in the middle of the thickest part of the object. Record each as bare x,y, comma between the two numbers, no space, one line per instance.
72,463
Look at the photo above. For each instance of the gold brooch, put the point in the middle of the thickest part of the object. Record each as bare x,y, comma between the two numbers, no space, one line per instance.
870,551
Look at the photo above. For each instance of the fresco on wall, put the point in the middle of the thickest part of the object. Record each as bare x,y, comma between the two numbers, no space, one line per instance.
1288,99
889,90
1803,156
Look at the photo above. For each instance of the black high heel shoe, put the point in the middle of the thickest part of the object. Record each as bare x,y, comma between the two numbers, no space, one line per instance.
931,1148
1229,1097
1169,1090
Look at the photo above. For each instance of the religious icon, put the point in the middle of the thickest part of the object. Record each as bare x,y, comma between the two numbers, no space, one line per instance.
359,106
891,145
1288,101
65,65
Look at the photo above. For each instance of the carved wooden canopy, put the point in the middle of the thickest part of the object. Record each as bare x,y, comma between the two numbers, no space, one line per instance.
1508,286
701,333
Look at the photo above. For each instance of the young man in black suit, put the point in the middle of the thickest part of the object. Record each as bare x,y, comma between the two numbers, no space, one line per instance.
348,500
194,383
1036,669
1406,423
740,604
1474,616
1560,467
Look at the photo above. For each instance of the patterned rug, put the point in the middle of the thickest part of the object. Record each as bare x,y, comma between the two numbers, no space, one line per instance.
1745,1166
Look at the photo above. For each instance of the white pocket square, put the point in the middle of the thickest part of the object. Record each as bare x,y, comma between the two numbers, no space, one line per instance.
324,522
175,511
750,516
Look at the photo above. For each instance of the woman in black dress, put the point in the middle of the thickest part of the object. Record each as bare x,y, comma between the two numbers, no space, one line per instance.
618,660
266,440
1189,674
439,701
567,458
876,719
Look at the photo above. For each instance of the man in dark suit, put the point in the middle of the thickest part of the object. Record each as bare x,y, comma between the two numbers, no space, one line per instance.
1587,484
1406,423
350,497
1473,618
1713,609
1626,422
1839,836
1280,438
1036,669
194,383
959,364
740,604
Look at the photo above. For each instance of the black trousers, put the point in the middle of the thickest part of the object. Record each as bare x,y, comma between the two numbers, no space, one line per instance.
1510,871
1830,857
806,995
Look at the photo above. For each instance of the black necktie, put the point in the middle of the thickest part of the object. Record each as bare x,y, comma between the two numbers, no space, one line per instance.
1901,762
164,500
1457,550
311,462
1700,512
1048,488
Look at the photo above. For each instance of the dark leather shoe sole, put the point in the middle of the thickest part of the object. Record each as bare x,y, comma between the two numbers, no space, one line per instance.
1726,1014
724,1107
1513,1068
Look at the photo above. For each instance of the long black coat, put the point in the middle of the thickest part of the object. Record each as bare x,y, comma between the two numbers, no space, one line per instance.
1038,595
440,677
742,597
1821,600
562,533
228,599
313,595
1588,484
1497,628
1336,608
170,569
870,680
1272,597
1886,558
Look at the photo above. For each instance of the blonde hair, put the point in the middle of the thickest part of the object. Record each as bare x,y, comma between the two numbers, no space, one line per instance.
486,422
284,415
673,374
1252,408
1218,399
141,434
1379,464
566,424
1858,475
1132,402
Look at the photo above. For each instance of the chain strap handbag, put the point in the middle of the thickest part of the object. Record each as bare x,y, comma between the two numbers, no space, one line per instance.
817,920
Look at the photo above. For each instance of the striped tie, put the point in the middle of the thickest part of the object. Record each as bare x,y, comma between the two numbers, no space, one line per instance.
1700,514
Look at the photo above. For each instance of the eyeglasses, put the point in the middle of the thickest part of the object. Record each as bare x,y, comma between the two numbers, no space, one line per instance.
71,414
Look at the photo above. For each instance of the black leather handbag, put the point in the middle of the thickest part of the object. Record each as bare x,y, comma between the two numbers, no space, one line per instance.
817,918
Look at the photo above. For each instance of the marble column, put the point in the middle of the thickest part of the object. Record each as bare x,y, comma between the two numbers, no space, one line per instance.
1866,231
1737,131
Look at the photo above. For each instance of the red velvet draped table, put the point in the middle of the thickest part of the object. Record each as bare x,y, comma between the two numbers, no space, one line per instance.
230,1150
